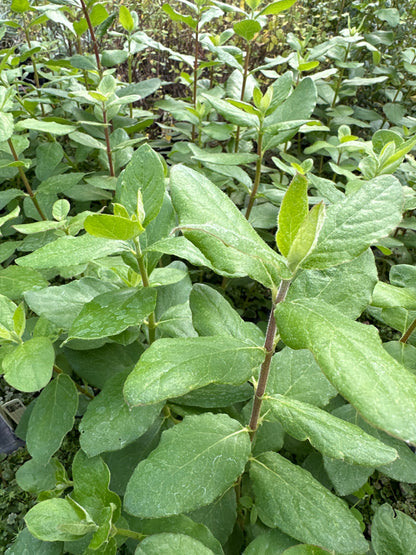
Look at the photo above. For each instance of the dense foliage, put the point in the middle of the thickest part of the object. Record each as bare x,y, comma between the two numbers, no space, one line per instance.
208,278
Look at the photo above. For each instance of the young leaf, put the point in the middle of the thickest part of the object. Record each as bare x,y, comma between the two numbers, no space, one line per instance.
351,356
52,417
112,227
109,424
58,520
113,312
176,16
306,237
293,211
144,172
194,463
173,367
19,320
70,251
277,7
289,498
247,29
172,544
29,366
331,436
126,19
355,223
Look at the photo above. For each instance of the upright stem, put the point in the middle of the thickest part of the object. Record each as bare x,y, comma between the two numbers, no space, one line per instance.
408,332
35,69
243,90
269,347
107,142
93,38
145,279
195,84
258,174
26,182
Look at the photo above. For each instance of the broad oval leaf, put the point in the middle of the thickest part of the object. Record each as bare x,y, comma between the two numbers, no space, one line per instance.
113,312
277,7
173,367
330,435
194,463
70,251
29,366
52,418
355,223
58,520
15,281
351,356
172,544
288,497
109,424
228,240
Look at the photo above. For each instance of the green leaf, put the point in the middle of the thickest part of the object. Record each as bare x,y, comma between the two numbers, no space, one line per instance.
29,366
392,532
36,478
292,213
171,544
6,126
277,7
61,304
389,296
60,209
289,498
91,479
270,542
348,287
7,310
222,158
351,356
19,320
98,14
403,468
247,28
299,105
86,140
232,113
70,251
307,237
346,478
213,315
58,520
112,227
194,463
352,225
295,374
15,281
113,312
109,424
44,126
228,240
172,367
331,436
20,6
143,173
52,418
176,16
126,19
26,544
